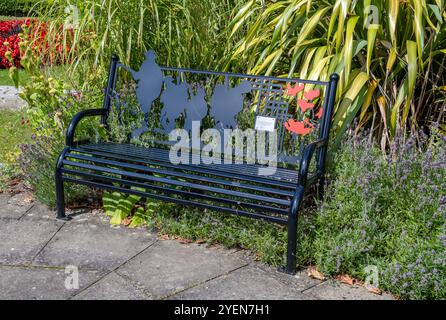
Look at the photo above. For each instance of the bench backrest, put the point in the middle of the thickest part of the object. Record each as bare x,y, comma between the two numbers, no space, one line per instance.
297,110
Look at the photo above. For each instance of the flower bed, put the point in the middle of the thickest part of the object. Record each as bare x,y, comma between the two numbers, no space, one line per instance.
49,47
9,41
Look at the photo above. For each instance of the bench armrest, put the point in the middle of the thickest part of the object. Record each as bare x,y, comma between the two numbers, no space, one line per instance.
307,156
77,118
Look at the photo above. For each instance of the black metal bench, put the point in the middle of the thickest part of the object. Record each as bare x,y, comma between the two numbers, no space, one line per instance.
292,115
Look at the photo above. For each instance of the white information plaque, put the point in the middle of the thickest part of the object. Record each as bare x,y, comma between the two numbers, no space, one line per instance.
265,124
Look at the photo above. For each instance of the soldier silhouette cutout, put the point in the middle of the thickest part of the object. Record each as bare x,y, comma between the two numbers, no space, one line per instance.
227,102
197,108
175,98
149,81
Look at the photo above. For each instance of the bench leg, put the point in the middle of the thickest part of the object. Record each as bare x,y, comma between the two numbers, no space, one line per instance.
320,190
292,232
60,196
60,199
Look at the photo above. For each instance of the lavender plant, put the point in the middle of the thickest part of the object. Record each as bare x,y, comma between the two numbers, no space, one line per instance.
387,210
37,162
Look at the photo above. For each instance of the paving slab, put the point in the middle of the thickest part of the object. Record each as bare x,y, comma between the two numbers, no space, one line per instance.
299,282
94,246
20,241
122,263
332,290
21,199
4,197
9,98
112,287
40,211
90,216
243,284
14,207
20,283
169,267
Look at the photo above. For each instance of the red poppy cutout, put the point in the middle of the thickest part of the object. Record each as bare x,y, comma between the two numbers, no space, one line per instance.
311,95
305,105
293,91
299,127
320,113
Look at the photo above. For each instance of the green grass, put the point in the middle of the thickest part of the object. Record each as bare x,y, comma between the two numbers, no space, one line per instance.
59,72
12,131
7,18
5,80
267,241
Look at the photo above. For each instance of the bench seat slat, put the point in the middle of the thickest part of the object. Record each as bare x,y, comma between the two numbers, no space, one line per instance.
167,181
192,168
283,177
177,174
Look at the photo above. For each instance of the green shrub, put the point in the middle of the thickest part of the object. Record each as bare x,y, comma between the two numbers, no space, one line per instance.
16,8
50,109
387,211
51,104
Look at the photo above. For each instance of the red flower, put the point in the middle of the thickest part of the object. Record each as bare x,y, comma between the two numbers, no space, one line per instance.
311,95
302,128
305,105
38,35
293,91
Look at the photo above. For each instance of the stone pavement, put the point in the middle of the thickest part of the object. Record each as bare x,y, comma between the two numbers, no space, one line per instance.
39,254
9,98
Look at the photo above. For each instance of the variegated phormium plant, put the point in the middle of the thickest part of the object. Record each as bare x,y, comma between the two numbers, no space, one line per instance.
390,55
